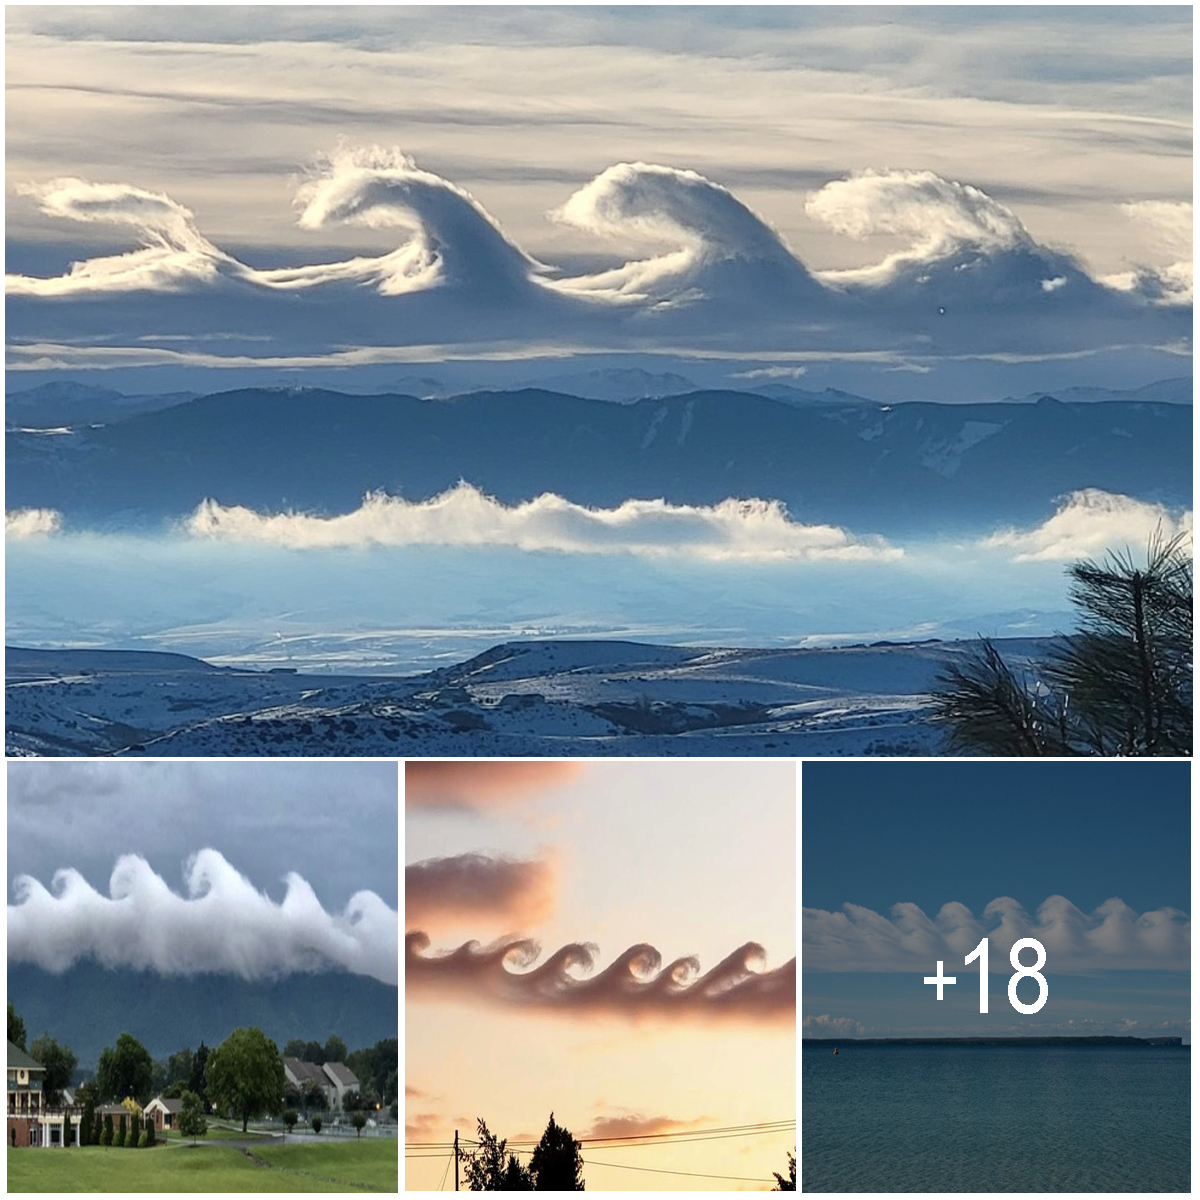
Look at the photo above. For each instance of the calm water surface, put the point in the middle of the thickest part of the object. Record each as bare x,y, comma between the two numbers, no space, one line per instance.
995,1118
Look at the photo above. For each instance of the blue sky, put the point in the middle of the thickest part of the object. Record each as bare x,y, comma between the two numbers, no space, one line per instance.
771,161
878,835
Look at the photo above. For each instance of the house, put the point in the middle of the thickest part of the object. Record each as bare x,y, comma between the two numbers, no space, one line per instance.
344,1082
336,1080
30,1121
164,1113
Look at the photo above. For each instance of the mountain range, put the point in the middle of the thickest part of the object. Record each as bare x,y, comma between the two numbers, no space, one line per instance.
923,467
88,1006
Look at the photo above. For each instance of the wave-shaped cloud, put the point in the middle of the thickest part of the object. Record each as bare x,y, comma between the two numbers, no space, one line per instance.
825,1026
221,924
174,256
635,984
465,516
21,524
471,785
718,242
1114,937
973,280
511,893
454,240
1091,522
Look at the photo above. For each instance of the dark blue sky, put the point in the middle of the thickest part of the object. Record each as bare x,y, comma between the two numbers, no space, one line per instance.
878,834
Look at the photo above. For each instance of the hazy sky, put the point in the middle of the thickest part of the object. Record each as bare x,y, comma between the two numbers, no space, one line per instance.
909,863
255,868
1023,173
691,859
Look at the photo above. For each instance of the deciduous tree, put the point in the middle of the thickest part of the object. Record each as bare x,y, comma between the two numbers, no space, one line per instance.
126,1070
359,1120
60,1065
245,1075
16,1028
191,1120
788,1184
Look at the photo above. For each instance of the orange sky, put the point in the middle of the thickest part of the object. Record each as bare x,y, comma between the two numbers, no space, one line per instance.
692,859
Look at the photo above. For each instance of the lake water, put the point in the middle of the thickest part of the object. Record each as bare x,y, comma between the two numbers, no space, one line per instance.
995,1118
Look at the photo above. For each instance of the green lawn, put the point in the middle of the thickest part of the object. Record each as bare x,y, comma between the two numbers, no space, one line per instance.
217,1134
367,1165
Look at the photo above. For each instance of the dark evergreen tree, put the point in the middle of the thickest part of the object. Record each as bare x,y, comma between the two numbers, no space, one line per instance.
198,1083
1120,686
87,1123
557,1165
106,1138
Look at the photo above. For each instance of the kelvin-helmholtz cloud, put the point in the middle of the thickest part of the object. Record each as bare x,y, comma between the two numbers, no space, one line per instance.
221,924
635,984
971,281
1114,937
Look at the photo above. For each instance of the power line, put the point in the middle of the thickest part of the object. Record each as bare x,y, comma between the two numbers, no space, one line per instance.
660,1171
445,1172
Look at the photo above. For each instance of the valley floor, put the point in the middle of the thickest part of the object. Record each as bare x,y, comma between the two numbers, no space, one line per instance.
531,698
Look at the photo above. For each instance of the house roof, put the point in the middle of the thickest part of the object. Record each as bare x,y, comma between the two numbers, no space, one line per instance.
341,1074
303,1071
173,1105
18,1058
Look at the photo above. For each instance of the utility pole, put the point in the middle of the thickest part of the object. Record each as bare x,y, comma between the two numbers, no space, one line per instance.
456,1160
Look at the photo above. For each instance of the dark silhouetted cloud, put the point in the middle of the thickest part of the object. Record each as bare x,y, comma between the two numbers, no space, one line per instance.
635,984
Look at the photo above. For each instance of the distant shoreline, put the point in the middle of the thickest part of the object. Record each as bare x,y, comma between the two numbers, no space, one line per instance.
1001,1041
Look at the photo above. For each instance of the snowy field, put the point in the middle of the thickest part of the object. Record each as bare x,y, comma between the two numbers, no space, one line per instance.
552,698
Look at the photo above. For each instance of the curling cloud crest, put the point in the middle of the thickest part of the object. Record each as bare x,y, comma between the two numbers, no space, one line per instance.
724,275
752,530
222,924
175,254
635,985
510,893
1114,937
1089,523
712,229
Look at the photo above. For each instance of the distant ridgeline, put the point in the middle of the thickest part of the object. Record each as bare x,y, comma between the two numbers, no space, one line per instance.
997,1041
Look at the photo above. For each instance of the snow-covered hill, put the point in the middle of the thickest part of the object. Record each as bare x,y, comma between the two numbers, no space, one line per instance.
552,698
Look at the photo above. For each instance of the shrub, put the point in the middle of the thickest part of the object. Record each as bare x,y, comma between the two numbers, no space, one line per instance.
317,1123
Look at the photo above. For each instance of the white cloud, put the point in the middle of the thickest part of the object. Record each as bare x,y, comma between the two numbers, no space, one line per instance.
21,524
1114,937
708,227
222,924
464,516
1170,224
936,215
824,1025
1088,524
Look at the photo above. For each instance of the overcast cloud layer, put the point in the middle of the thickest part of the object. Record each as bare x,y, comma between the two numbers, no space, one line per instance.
1114,937
221,923
333,823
